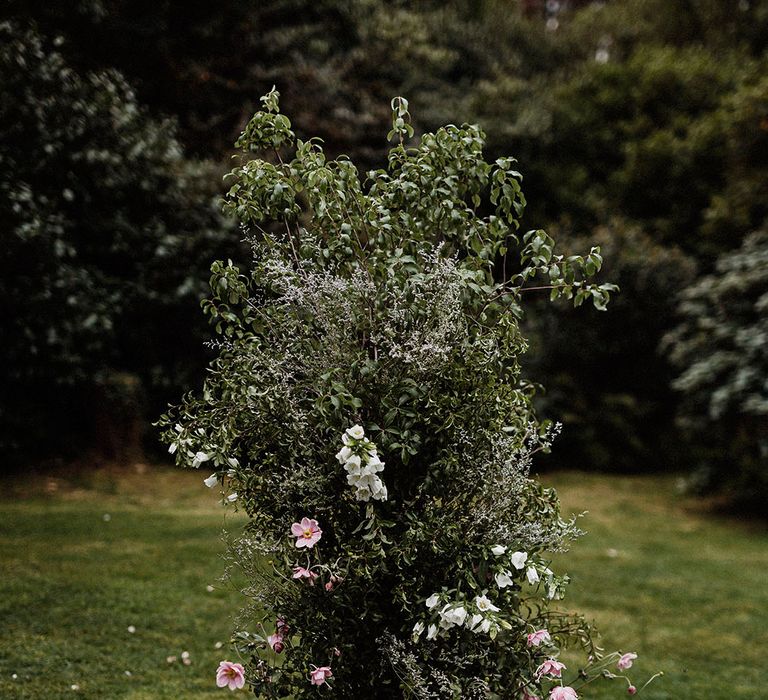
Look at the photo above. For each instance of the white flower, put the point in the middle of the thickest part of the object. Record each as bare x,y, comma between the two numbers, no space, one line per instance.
451,616
418,629
504,579
173,447
353,465
361,473
431,632
484,605
199,458
518,559
474,621
356,432
232,497
211,481
498,549
532,575
343,454
375,464
552,590
432,601
485,626
232,462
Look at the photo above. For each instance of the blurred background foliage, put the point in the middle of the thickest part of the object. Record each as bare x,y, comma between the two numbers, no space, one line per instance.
641,125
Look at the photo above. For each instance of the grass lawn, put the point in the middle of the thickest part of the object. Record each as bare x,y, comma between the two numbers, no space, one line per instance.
83,564
685,590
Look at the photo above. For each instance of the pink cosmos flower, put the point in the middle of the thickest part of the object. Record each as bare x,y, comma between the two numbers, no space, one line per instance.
550,668
626,660
632,690
563,693
301,572
538,637
307,533
318,676
229,674
276,642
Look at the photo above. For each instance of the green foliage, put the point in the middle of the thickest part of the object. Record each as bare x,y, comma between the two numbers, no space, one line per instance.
105,226
721,350
604,376
380,303
653,137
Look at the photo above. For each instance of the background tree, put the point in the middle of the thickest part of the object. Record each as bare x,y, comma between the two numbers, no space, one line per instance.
721,349
108,234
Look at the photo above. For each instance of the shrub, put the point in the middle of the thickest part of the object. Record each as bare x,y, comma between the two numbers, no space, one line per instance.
720,348
367,411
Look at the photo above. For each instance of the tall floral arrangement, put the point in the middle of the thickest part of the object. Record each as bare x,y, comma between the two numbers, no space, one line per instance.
368,413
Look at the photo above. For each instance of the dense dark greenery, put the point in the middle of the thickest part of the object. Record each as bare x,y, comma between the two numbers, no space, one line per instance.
107,235
631,115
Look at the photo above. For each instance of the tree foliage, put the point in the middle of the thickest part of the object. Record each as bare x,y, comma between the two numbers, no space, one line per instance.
720,348
108,230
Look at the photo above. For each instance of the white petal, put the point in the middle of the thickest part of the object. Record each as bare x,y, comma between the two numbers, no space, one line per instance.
211,481
518,559
356,432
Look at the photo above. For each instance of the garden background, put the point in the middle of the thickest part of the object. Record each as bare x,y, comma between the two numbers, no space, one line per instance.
639,125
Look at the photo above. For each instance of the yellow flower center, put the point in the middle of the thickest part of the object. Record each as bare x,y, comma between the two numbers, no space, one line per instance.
307,534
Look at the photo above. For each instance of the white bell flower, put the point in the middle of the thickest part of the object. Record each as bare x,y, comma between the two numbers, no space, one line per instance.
356,432
518,559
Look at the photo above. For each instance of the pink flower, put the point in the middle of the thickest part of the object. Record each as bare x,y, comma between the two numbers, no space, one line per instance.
301,572
281,626
276,642
626,660
563,693
537,637
229,674
550,668
632,690
307,533
318,676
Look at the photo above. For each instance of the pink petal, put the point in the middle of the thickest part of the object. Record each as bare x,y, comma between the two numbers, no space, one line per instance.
297,529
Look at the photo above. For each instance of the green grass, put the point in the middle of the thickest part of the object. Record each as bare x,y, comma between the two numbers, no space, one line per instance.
72,583
685,590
